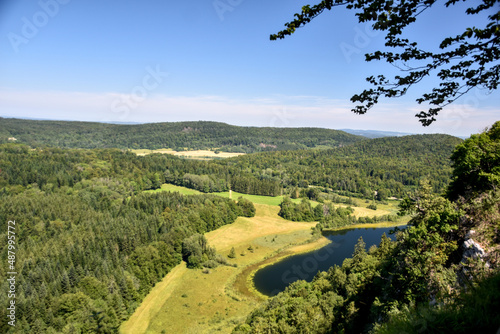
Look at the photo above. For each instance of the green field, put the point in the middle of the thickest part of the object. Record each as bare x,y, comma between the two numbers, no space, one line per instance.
190,301
360,209
267,200
174,188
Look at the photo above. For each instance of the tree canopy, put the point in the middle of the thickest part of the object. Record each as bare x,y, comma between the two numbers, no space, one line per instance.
476,164
464,61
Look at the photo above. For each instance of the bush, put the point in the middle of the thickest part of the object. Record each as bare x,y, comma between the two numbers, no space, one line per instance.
222,260
193,261
246,208
232,253
210,264
196,251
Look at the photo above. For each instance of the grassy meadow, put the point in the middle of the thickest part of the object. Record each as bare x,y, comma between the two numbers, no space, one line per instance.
360,210
191,301
197,154
174,188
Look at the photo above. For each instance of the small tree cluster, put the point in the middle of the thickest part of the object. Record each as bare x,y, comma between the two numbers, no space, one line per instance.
197,253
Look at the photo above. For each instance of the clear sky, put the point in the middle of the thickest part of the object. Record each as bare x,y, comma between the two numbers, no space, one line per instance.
163,61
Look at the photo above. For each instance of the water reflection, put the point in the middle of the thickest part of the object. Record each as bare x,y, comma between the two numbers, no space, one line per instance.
275,278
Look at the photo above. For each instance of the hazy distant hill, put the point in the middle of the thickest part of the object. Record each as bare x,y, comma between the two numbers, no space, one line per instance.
178,135
376,133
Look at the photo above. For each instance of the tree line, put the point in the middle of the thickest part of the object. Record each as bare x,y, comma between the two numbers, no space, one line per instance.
90,243
326,214
423,281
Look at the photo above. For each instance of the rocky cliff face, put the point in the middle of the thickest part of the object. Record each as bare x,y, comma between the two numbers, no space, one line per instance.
472,249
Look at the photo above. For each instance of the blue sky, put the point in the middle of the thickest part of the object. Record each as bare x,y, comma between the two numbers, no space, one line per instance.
161,61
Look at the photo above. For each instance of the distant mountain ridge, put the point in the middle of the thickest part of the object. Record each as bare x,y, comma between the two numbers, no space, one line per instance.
175,135
376,133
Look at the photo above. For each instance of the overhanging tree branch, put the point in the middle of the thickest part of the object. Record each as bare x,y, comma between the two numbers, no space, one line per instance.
468,60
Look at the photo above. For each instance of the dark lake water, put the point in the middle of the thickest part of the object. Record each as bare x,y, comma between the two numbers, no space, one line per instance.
275,278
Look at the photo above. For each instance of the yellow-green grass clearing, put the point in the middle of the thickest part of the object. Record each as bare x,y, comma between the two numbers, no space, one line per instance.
174,188
359,211
139,321
258,199
389,206
361,207
195,154
189,301
365,212
268,200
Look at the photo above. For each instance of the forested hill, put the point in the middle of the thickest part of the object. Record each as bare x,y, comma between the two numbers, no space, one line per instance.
392,164
178,136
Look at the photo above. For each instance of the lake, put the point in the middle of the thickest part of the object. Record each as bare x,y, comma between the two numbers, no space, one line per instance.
275,278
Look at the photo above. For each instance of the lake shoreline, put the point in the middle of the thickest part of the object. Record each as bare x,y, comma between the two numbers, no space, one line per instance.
225,296
249,272
218,305
244,280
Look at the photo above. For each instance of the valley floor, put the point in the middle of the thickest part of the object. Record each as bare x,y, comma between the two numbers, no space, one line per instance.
190,301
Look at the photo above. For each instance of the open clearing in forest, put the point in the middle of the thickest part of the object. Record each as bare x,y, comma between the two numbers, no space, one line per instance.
197,154
173,188
190,301
359,211
257,199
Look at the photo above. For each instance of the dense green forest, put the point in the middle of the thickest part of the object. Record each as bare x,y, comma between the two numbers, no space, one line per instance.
89,245
178,136
327,215
22,167
392,166
388,166
428,280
